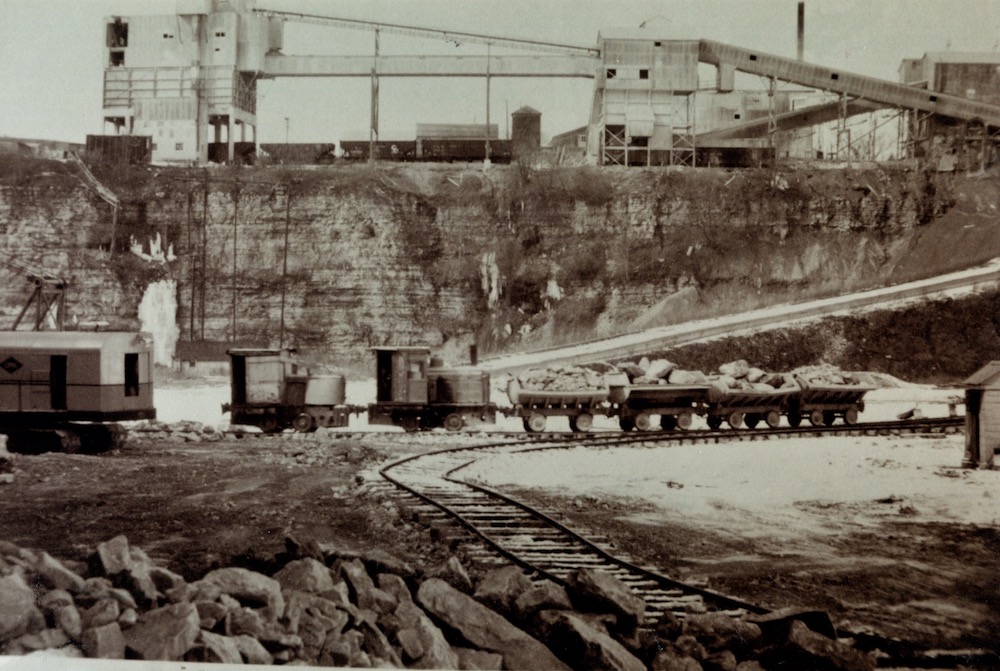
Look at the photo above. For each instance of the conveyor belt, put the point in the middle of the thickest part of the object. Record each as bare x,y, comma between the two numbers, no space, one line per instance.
838,81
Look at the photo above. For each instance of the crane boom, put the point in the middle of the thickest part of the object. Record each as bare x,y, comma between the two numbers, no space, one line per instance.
435,33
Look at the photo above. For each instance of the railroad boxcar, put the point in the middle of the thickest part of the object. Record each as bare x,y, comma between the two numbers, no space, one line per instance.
462,149
385,150
414,392
51,378
272,390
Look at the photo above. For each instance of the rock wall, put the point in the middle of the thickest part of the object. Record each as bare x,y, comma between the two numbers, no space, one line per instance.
513,257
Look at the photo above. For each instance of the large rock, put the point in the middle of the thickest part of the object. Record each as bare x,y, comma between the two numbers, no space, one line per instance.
453,573
54,574
101,613
501,587
250,588
18,613
44,640
219,649
544,596
416,628
394,585
313,619
105,642
478,660
718,631
357,578
164,633
673,660
374,642
375,560
251,650
484,628
58,607
128,567
583,647
776,624
597,590
814,650
305,575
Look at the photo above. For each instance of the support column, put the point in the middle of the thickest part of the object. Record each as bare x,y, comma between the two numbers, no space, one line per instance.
230,136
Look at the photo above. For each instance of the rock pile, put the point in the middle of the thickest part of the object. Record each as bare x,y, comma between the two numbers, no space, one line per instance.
825,374
740,376
562,378
333,607
661,371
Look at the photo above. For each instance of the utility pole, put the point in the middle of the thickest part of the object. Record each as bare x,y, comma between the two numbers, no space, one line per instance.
236,211
487,161
284,263
373,126
204,253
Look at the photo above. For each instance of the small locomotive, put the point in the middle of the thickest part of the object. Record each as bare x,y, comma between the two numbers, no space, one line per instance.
274,391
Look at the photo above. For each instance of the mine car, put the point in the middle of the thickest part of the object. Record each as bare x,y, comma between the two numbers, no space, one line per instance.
272,390
416,392
52,377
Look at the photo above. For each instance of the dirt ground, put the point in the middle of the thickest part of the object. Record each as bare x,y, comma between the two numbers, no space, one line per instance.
199,505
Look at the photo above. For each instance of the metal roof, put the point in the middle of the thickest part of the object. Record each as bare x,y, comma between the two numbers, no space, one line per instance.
68,340
987,376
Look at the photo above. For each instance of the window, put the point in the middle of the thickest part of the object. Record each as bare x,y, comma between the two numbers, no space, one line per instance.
179,146
117,59
168,36
131,374
117,34
834,76
612,72
644,74
220,33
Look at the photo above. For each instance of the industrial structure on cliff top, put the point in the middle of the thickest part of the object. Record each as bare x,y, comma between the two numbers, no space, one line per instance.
189,80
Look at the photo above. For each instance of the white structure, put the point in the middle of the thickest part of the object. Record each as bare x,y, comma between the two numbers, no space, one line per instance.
177,77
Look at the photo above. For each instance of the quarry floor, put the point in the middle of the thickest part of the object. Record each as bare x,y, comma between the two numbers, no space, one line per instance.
912,557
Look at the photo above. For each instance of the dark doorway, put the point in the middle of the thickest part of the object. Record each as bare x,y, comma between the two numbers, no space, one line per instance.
57,381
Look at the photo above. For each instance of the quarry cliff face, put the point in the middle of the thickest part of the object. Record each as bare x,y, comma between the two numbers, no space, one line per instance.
351,256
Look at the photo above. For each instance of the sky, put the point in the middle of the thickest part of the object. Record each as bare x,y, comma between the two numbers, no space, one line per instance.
52,55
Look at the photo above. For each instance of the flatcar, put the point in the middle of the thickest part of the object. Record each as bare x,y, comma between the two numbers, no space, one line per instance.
637,406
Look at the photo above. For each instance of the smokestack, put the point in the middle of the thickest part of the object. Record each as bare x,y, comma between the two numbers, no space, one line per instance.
801,28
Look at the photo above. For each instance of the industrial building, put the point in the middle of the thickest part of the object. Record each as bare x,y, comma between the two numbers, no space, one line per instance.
189,82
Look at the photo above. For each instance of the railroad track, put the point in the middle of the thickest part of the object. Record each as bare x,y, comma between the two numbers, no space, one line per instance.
545,548
927,425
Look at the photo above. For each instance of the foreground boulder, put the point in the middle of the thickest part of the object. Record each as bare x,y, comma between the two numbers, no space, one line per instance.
350,609
485,629
596,590
582,646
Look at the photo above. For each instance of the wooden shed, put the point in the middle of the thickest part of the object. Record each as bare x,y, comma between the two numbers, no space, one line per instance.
982,416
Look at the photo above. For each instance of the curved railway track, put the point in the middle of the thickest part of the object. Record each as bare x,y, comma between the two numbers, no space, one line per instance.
516,532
